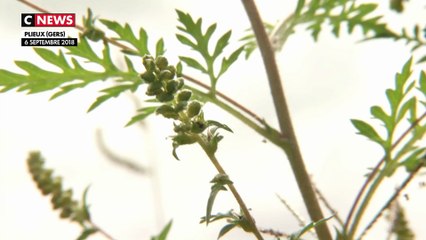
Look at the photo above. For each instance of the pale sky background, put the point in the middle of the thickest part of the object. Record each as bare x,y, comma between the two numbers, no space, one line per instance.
327,83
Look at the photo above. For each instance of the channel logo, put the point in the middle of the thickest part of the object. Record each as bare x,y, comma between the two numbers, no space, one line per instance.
47,20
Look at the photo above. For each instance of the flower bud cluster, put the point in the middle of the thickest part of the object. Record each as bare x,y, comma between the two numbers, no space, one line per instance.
48,184
166,84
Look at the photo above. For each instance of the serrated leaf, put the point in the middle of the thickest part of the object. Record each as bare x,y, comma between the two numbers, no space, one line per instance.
227,62
380,114
164,232
407,106
193,63
210,32
186,41
144,113
394,98
221,44
367,130
226,229
98,102
84,50
402,78
50,57
126,34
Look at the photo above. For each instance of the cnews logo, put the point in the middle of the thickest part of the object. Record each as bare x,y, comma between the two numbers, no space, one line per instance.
47,20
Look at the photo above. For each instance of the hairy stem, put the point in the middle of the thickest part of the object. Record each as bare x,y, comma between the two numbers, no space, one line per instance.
293,152
231,187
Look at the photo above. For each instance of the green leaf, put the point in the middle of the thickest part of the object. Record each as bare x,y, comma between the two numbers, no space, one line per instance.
144,113
186,41
299,7
113,92
164,232
226,229
218,124
193,63
422,83
227,62
219,183
85,208
222,43
126,34
407,106
86,233
159,47
422,60
305,229
412,161
380,114
367,130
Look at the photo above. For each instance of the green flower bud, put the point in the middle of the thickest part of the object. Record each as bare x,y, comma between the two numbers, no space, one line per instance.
184,95
161,62
66,212
149,63
66,198
167,111
56,201
57,185
166,75
154,88
172,69
172,86
181,82
180,106
48,188
148,77
182,139
165,97
181,128
194,109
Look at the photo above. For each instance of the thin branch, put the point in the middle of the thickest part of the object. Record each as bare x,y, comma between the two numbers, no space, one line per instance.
392,199
293,153
219,168
377,168
226,98
299,218
274,233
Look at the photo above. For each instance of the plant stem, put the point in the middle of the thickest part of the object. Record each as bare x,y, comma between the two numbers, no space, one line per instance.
293,153
270,134
394,196
377,168
361,210
204,145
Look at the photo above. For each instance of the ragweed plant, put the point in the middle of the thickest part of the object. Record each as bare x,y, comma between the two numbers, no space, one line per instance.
168,95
